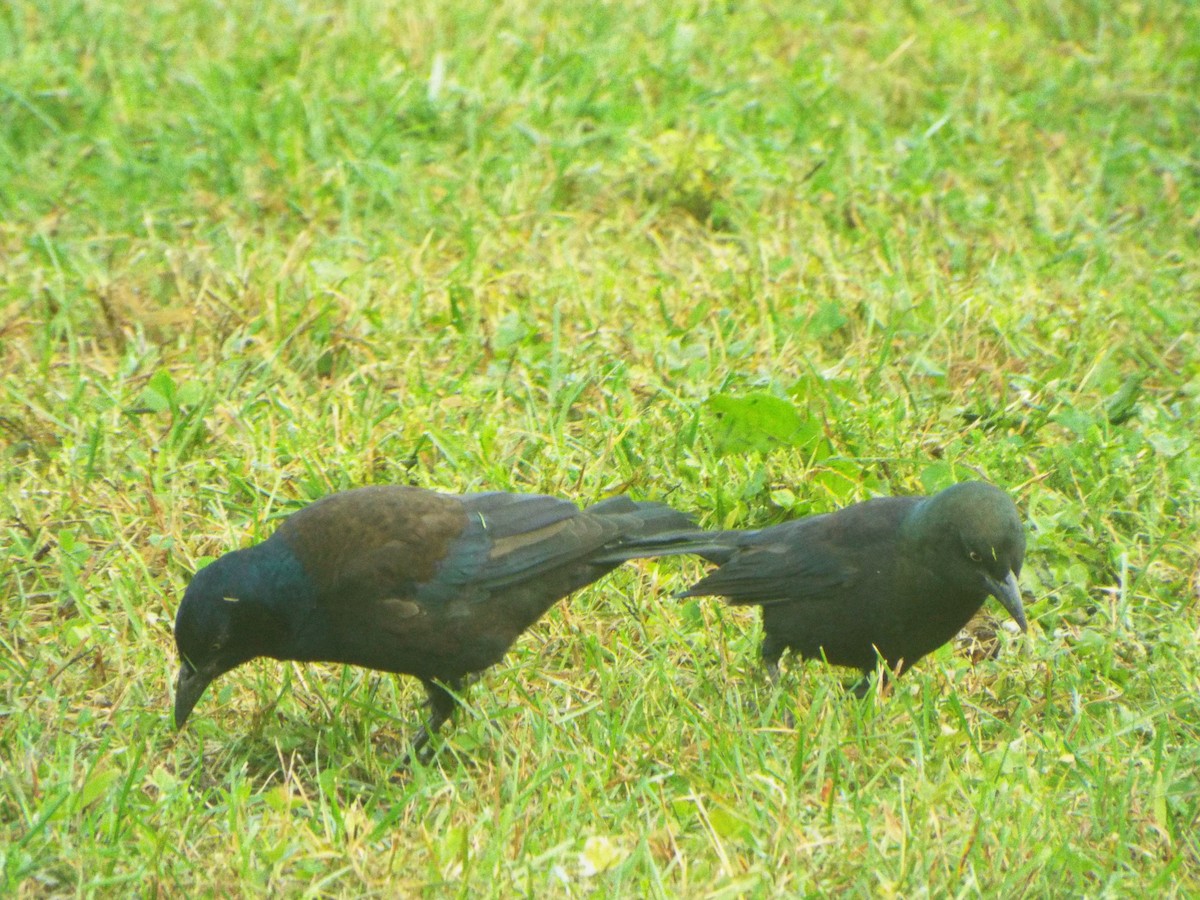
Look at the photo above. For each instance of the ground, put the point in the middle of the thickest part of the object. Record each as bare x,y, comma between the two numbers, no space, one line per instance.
756,260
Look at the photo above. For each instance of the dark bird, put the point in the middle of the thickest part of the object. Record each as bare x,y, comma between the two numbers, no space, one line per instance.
404,580
891,578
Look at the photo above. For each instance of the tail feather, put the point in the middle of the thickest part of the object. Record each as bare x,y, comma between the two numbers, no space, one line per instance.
641,519
715,546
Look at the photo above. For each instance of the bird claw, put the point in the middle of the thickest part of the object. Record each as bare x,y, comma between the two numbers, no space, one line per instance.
419,749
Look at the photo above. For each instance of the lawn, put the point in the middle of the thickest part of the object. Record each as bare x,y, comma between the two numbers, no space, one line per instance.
254,253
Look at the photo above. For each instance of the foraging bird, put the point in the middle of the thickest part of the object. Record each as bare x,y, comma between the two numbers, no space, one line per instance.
401,579
891,578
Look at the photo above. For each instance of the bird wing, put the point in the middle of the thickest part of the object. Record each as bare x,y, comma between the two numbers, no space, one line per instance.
809,558
776,571
378,542
512,538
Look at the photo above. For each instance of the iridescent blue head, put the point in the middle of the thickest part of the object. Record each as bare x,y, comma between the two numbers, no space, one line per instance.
231,613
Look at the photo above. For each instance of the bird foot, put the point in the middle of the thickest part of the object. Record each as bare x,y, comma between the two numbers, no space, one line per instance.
774,676
419,751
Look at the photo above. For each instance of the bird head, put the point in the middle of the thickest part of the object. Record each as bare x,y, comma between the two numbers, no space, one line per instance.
972,533
225,620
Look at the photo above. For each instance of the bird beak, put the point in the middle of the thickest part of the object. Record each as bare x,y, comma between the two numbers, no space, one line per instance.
189,687
1008,592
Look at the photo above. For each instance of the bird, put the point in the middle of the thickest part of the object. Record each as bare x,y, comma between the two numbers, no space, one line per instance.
401,579
889,579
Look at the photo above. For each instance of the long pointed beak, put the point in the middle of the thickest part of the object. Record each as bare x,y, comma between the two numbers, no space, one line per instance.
189,687
1008,592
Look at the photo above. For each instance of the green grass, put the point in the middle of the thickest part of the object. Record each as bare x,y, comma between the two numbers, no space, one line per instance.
251,254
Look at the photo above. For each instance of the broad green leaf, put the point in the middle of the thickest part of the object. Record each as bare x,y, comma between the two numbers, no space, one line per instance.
758,422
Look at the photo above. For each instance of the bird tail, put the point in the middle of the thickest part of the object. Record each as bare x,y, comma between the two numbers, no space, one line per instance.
641,517
658,530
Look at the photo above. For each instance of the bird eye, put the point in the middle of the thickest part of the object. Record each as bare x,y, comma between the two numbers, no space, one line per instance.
975,556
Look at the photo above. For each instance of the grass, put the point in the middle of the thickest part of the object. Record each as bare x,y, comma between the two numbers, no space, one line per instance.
253,254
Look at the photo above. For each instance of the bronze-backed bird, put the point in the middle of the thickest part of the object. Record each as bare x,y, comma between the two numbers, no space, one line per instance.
401,579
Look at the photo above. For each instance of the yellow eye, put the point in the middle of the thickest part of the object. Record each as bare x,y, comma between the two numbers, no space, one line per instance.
974,555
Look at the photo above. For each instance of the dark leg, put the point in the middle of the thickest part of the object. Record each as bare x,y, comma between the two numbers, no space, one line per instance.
441,708
771,654
863,685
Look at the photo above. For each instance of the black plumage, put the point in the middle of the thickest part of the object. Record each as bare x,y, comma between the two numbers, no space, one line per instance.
891,578
403,580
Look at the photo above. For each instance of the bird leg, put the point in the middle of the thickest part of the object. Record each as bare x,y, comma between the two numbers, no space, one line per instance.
773,672
771,659
861,687
772,652
884,675
441,708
